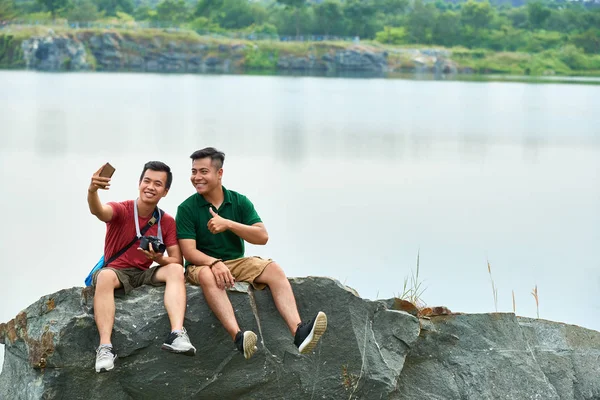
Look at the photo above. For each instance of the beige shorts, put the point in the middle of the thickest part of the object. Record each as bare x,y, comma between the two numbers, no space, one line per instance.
131,278
243,270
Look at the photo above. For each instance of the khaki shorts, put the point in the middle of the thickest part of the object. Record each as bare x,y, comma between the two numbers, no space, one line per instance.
243,270
131,278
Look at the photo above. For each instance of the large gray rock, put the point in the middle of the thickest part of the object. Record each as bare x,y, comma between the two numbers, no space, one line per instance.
493,356
54,53
50,348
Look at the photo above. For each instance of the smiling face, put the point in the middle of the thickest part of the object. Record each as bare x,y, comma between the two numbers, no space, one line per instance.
205,176
153,186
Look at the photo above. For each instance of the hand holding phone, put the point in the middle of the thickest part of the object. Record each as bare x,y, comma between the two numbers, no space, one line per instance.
101,178
107,170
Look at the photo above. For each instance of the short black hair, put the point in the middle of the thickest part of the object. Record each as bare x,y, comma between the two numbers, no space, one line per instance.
158,166
217,158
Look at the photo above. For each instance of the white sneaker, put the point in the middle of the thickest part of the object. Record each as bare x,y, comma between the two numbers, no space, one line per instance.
179,342
105,358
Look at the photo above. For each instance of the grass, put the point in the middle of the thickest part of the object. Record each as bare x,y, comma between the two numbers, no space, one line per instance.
412,289
494,288
534,293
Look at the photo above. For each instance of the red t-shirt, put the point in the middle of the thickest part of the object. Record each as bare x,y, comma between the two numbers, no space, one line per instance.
121,229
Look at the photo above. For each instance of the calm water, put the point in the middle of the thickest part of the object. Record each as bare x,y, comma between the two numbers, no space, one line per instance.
352,178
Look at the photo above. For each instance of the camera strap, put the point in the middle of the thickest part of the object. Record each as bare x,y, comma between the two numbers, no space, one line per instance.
155,217
137,223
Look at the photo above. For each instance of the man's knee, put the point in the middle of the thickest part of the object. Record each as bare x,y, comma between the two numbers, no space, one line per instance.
273,273
107,278
173,272
206,278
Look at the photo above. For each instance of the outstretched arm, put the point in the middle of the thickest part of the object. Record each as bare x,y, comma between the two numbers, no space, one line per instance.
103,212
255,234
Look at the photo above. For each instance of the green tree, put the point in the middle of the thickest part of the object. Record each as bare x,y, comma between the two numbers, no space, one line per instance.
447,29
83,11
391,35
172,11
235,14
328,15
589,41
204,8
477,15
54,6
7,10
360,16
421,22
537,14
296,5
110,7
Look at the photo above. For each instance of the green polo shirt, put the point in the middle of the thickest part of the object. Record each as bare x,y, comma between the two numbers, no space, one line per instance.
192,220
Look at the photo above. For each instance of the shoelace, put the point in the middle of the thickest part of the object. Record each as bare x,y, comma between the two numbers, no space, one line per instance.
104,352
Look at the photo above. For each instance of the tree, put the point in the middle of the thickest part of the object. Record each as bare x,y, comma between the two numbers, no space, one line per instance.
589,41
477,15
204,8
172,11
328,14
83,11
296,5
447,29
360,15
54,6
110,7
421,21
7,10
537,14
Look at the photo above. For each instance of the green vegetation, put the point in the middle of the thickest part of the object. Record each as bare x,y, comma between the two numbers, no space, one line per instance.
538,37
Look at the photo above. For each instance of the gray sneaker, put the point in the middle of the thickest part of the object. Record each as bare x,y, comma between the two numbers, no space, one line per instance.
105,358
179,342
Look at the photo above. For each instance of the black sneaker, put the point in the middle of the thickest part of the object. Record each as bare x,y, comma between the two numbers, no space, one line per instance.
246,343
308,333
179,342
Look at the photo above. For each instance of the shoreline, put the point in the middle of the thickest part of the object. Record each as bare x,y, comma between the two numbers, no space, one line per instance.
57,49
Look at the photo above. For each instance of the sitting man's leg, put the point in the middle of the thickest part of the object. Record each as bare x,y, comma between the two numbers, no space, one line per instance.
105,282
219,303
175,303
261,273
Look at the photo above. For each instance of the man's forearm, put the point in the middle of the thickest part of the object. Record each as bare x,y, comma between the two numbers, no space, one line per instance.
168,260
196,257
250,233
94,202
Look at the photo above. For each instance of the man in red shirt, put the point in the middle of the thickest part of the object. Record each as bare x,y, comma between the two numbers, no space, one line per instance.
124,221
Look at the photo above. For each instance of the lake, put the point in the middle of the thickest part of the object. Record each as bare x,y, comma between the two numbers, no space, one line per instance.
353,178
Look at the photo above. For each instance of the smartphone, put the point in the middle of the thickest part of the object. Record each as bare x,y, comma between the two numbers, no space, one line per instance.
107,171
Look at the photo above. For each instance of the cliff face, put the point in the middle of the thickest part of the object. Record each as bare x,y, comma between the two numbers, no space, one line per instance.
143,51
370,351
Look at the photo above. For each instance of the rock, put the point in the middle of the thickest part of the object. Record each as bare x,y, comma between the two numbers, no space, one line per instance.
492,356
54,53
50,348
354,60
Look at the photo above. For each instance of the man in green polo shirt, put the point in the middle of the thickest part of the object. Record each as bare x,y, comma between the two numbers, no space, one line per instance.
212,226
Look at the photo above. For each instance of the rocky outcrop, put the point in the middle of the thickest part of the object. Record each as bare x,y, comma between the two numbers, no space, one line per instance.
371,350
114,51
52,53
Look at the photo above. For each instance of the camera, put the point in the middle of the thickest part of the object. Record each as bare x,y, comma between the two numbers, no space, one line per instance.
157,245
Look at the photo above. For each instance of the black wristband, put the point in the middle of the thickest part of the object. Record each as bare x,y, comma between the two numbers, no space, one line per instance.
214,263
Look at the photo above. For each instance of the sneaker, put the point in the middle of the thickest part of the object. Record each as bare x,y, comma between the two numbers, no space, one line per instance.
308,333
246,343
105,358
179,342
